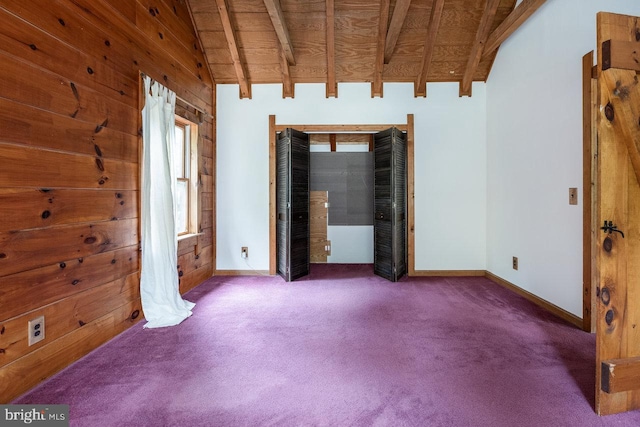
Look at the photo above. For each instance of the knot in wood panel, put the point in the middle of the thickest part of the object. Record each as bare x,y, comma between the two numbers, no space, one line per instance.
608,317
605,296
99,164
608,112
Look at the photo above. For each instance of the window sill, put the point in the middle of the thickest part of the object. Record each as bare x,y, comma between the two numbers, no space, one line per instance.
188,236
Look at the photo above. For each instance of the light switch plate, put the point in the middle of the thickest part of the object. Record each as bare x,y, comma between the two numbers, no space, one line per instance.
573,196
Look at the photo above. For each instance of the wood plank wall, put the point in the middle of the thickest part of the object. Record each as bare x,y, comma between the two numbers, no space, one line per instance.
69,174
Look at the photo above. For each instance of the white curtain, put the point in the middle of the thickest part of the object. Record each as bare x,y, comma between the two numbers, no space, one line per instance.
161,300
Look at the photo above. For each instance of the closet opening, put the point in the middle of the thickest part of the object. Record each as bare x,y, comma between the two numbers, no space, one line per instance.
341,194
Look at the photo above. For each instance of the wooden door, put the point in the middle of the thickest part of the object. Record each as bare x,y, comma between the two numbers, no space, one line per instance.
319,246
390,204
292,189
618,205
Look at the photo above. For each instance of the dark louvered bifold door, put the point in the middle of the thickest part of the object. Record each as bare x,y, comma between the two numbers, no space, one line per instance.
292,187
390,204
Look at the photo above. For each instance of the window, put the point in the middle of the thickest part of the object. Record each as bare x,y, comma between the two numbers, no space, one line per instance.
186,166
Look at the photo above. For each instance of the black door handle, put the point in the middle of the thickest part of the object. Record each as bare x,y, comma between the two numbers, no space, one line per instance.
610,228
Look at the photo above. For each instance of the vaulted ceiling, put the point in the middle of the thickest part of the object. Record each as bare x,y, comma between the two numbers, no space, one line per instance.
332,41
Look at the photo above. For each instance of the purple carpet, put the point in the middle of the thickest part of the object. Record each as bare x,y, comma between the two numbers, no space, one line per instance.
341,347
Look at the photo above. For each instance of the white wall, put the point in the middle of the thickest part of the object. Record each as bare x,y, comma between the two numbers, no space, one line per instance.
350,244
450,165
534,149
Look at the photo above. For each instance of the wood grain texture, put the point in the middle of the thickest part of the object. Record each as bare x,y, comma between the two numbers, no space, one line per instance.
368,128
383,20
332,84
287,83
395,26
26,249
195,277
618,310
623,55
341,138
29,370
230,34
511,24
61,170
22,124
272,196
280,27
63,279
434,25
318,214
411,214
478,46
338,42
70,114
192,261
624,105
24,208
67,315
589,99
620,375
26,84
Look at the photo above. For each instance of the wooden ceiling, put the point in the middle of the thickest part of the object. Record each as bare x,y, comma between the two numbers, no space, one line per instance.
332,41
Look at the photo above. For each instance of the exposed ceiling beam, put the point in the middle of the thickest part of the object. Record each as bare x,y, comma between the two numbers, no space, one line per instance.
516,18
279,24
332,85
478,45
397,20
420,88
287,83
199,39
238,65
376,85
